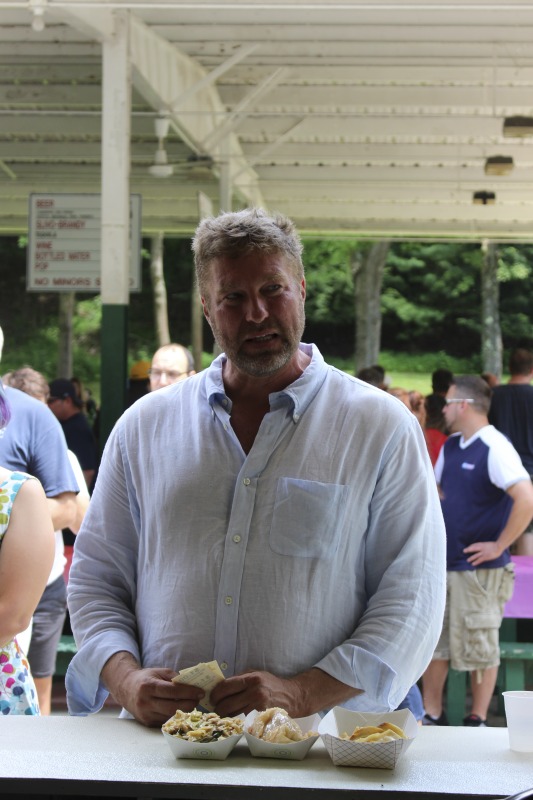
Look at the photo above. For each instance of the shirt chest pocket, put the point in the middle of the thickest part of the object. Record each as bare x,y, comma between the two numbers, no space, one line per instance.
308,517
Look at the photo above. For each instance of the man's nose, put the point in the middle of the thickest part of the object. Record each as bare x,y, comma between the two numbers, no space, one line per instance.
256,309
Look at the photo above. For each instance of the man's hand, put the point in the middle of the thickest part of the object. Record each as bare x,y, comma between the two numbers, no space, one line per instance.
300,695
482,551
148,694
256,691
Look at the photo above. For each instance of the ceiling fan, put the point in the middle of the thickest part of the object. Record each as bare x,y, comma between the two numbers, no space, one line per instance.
161,168
194,167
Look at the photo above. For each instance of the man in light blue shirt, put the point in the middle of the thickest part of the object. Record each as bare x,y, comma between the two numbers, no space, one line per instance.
271,512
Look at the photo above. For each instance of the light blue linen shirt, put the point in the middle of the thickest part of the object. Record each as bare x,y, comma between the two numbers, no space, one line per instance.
324,546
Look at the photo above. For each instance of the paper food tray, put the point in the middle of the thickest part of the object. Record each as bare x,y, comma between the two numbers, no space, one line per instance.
295,751
378,755
215,751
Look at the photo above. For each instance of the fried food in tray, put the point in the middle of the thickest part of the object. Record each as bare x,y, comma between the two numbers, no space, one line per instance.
386,732
202,727
274,725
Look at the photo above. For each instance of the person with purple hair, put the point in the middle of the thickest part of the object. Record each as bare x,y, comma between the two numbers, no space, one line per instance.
26,555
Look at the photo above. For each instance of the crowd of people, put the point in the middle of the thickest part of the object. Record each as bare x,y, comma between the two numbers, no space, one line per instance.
304,528
59,450
479,436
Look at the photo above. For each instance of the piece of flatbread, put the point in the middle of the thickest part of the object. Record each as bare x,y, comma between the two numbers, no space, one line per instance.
205,675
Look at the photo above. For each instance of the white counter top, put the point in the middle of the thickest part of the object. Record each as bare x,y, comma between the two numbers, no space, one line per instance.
121,757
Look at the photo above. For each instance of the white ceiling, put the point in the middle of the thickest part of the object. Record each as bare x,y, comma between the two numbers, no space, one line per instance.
357,118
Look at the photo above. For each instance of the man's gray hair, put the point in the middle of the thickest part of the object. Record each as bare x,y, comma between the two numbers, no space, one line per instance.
239,233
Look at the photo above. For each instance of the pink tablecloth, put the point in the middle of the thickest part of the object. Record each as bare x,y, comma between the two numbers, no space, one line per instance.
520,606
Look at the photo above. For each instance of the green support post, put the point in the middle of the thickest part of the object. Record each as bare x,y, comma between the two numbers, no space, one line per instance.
114,362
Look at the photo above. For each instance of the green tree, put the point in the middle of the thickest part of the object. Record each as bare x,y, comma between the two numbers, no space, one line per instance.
329,280
430,297
515,273
329,305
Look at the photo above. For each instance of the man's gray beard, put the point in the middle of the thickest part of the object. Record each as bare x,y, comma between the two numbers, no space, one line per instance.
261,366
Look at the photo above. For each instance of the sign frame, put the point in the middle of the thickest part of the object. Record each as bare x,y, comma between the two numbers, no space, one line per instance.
64,241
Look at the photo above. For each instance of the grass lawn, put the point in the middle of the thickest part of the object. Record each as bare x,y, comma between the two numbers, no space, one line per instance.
413,372
412,381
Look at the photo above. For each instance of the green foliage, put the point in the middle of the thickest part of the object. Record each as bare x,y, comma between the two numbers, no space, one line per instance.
41,354
513,264
427,297
430,296
422,364
88,317
426,363
515,271
329,281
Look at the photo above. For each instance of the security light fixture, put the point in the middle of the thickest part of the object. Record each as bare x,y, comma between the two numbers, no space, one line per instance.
518,126
484,198
499,165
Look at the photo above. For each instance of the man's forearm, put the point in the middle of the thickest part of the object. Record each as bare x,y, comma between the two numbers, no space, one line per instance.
318,690
82,504
115,673
62,510
520,516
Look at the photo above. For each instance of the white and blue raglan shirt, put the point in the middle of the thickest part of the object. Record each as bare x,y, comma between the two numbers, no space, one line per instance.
474,477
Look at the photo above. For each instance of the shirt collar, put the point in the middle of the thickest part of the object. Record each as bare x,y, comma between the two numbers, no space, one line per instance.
297,395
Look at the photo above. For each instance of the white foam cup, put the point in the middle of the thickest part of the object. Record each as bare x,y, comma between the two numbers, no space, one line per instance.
519,714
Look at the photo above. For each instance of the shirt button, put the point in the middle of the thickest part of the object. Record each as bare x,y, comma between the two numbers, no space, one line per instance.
224,665
228,600
236,538
296,417
246,481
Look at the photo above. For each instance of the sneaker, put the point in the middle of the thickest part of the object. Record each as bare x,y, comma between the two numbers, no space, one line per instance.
427,719
473,721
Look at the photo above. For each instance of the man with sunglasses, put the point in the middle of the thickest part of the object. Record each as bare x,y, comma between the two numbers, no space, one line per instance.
487,502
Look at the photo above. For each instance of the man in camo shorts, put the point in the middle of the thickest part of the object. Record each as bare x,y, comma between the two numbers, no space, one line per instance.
487,502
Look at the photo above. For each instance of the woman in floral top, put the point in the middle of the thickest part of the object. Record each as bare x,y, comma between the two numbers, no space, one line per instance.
26,554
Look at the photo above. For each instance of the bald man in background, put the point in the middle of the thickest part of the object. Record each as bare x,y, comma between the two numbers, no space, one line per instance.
170,364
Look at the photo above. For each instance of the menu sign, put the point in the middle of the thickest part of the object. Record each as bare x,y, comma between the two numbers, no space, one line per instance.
64,243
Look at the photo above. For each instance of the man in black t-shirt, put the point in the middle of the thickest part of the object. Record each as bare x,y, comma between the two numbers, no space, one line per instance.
67,407
511,412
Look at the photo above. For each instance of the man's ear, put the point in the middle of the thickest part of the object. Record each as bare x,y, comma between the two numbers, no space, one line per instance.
205,308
